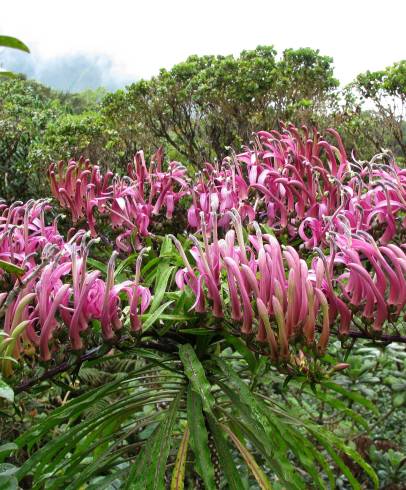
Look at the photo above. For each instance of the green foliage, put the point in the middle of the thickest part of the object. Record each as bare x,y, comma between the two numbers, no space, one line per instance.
121,418
207,103
14,43
178,475
39,125
388,82
199,438
196,110
11,268
196,407
75,135
26,108
74,437
6,392
386,90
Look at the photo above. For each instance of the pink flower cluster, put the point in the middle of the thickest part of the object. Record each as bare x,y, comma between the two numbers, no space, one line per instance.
55,291
129,202
348,270
293,180
24,233
219,189
370,277
262,283
266,282
301,183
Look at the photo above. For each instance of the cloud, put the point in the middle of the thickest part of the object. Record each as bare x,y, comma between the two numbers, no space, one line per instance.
69,73
141,37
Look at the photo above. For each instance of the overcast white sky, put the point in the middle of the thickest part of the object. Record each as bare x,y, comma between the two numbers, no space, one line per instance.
142,36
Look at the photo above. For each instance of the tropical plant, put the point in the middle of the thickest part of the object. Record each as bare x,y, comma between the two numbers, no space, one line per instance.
202,360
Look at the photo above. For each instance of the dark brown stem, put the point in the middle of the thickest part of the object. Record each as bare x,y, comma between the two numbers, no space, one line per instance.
87,356
60,368
168,349
386,339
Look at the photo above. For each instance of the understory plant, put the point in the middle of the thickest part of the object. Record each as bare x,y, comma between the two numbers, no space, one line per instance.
209,355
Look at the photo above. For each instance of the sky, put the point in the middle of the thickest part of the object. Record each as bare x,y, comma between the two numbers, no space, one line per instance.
75,43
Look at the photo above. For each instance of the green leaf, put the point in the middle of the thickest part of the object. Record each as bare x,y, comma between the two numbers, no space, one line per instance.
149,319
148,471
199,439
241,348
6,391
176,318
338,460
228,465
178,474
84,449
166,247
11,268
7,469
8,358
62,460
356,397
259,475
6,449
161,282
195,372
97,265
269,433
196,331
150,265
105,482
8,481
72,410
327,439
125,263
63,454
266,437
342,407
12,42
399,399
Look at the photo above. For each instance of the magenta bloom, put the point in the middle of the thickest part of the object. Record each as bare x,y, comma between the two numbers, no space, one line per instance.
260,277
130,202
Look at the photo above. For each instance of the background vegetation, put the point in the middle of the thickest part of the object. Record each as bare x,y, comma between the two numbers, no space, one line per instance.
196,111
201,110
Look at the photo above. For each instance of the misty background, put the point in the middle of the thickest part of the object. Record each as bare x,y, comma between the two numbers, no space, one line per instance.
69,73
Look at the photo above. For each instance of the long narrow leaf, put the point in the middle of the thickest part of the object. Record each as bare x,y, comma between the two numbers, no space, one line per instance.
199,439
12,42
227,462
195,372
356,397
149,319
178,475
11,268
148,470
340,406
162,278
266,436
259,475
